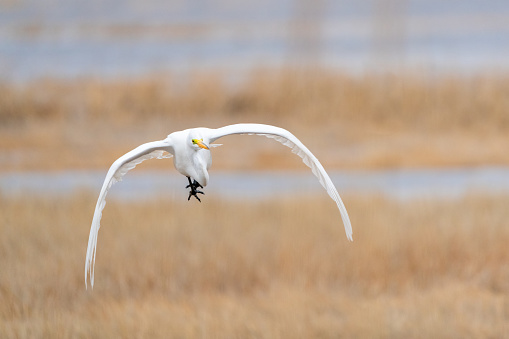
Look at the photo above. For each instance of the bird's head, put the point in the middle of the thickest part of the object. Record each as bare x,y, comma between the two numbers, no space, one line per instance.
198,143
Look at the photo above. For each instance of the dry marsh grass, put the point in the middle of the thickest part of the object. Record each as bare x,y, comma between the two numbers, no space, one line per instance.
268,269
449,101
368,121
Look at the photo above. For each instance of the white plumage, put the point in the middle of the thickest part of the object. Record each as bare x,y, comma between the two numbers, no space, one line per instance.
190,149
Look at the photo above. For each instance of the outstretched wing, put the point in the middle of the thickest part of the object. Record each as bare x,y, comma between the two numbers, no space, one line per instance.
117,170
288,139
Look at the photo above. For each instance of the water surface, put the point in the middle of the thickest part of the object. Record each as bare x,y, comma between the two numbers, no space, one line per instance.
109,38
401,184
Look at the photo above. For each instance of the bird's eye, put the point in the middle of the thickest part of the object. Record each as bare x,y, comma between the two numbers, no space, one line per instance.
194,141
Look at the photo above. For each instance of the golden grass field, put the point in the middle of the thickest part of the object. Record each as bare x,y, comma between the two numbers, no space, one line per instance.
261,268
349,121
264,269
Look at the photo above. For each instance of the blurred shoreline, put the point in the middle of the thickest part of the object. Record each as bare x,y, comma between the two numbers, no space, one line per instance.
143,186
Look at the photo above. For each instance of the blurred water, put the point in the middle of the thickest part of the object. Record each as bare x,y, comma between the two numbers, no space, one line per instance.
400,184
113,37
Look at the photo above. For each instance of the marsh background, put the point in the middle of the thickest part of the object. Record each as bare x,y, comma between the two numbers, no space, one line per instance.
374,86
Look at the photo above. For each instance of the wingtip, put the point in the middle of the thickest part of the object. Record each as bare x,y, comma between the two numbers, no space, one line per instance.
86,280
91,284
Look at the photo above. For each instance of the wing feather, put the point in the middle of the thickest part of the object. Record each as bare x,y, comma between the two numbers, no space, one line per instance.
118,169
297,147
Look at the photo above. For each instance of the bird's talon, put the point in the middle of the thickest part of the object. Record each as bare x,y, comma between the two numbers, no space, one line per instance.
194,191
193,194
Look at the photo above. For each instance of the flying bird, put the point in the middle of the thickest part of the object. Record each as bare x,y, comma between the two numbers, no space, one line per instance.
191,154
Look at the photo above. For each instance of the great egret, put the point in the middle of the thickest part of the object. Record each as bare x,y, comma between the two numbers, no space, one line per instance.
190,149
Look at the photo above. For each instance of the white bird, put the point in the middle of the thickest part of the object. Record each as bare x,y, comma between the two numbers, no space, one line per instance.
190,149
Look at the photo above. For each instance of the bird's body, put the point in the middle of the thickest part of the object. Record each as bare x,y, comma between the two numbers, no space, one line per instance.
191,164
192,158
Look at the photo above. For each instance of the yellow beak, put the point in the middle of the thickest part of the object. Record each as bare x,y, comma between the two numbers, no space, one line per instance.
201,144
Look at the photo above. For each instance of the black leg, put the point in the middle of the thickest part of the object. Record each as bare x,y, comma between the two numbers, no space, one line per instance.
194,184
190,183
197,184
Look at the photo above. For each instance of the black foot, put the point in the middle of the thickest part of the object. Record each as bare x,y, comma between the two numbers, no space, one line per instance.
195,184
193,192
